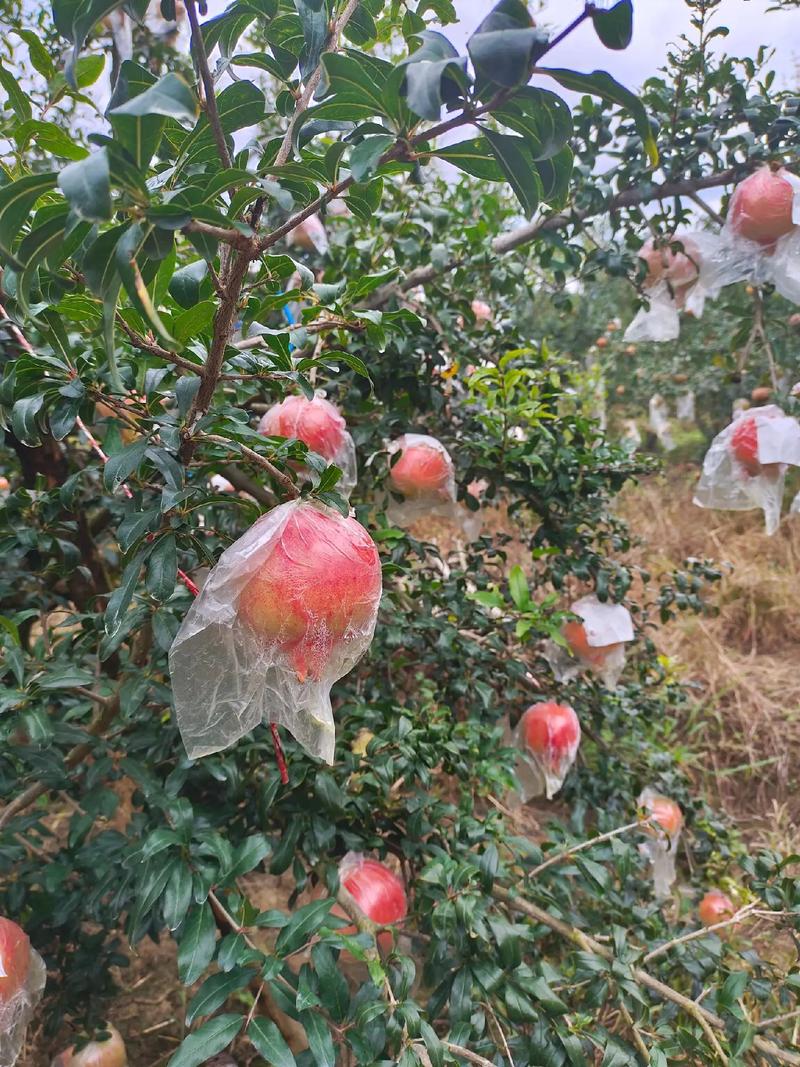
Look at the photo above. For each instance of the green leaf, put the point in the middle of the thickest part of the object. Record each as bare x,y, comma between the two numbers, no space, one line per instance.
197,943
37,246
177,896
185,286
248,855
194,320
473,157
518,586
268,1041
162,568
434,74
615,27
365,156
121,465
212,1037
320,1041
314,20
49,138
506,44
333,989
303,923
517,165
37,53
119,600
87,186
128,248
17,97
139,121
24,420
555,174
542,117
16,201
353,81
215,990
600,83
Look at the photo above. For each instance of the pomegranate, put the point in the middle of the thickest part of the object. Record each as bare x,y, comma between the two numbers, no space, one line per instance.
602,342
320,582
680,269
315,422
744,445
424,467
794,320
665,812
761,207
715,907
761,394
108,1053
575,635
15,958
481,311
378,892
552,732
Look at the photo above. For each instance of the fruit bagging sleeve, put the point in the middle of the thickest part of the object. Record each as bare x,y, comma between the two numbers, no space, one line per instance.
17,1013
290,607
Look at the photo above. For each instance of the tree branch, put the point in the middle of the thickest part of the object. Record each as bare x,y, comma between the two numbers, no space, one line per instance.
156,350
197,45
706,1019
662,950
561,856
282,479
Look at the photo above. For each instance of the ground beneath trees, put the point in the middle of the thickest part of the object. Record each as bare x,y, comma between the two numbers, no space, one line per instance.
741,731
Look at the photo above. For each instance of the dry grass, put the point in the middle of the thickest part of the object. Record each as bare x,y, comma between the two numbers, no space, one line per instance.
743,663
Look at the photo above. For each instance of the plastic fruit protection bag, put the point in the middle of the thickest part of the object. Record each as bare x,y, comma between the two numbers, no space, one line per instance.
795,508
425,478
673,283
542,767
16,1014
289,609
596,643
760,241
660,848
658,421
319,425
745,466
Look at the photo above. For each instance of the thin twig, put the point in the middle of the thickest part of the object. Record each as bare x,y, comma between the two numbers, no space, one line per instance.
197,46
467,1054
283,480
662,950
561,856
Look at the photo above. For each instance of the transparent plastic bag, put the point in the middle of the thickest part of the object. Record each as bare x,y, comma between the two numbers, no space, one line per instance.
596,643
658,412
795,508
17,1013
425,476
745,466
672,283
309,234
759,241
685,408
547,738
289,608
663,835
658,322
318,424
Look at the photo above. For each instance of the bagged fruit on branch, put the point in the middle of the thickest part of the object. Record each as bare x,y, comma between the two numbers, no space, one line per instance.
377,891
547,738
318,424
422,472
110,1051
760,241
289,608
22,980
309,234
672,284
663,833
596,642
658,416
746,464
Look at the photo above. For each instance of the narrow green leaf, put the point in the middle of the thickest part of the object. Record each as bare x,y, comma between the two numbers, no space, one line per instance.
268,1041
303,923
212,1038
615,27
87,186
197,943
517,165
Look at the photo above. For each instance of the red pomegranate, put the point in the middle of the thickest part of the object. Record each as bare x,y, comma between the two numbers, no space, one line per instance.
575,635
108,1053
665,812
551,731
744,445
315,422
680,269
15,958
761,207
321,579
422,470
378,892
715,907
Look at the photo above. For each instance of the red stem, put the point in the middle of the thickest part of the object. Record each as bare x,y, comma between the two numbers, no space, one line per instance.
280,759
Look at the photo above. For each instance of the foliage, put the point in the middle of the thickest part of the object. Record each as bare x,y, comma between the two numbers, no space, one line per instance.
134,265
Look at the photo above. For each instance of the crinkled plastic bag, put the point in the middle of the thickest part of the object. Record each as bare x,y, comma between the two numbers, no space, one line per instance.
425,476
541,774
660,848
751,474
319,425
631,436
730,257
16,1015
795,508
659,422
606,630
658,322
289,609
309,234
674,283
685,408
